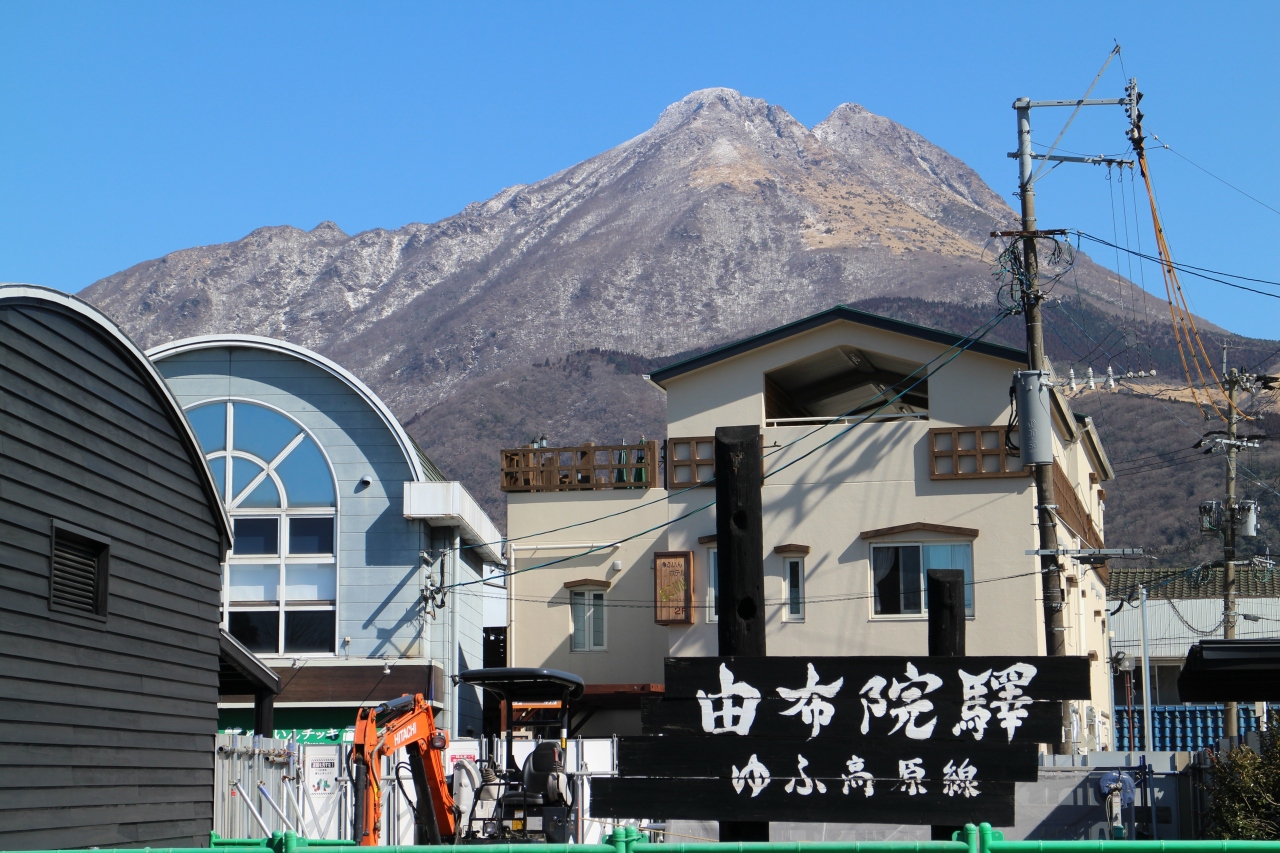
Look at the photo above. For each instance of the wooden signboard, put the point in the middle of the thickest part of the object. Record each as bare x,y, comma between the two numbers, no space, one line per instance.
673,587
927,740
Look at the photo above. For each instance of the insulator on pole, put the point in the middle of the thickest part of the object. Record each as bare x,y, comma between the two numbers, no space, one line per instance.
1089,380
1071,378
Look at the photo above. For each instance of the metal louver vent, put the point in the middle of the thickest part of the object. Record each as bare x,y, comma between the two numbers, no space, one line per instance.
78,573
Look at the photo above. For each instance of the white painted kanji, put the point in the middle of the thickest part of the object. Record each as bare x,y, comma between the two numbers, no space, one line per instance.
960,780
911,773
974,715
730,716
811,702
858,778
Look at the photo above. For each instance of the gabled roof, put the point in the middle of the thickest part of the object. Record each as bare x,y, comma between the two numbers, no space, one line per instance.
831,315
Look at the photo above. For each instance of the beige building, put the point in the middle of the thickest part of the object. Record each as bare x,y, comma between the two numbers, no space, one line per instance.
872,477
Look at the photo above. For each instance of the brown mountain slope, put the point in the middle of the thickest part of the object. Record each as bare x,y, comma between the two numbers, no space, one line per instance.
725,218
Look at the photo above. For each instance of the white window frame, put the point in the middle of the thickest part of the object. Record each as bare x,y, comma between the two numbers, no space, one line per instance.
790,562
923,615
592,612
282,558
713,584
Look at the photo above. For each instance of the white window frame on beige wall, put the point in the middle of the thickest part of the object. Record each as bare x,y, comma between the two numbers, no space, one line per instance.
792,563
593,614
970,594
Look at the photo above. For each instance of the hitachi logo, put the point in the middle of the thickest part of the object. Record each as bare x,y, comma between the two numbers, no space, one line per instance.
404,735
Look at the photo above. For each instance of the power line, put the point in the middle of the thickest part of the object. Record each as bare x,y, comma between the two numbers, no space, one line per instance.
1199,272
1169,148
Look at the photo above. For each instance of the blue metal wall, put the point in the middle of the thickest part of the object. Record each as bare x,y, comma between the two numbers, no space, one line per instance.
1180,728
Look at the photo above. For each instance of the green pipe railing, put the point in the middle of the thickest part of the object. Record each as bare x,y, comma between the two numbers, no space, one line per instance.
628,839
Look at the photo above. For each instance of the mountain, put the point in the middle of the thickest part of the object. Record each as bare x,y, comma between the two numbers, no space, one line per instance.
537,311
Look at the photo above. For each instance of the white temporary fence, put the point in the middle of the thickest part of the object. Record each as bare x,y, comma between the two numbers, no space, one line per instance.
264,785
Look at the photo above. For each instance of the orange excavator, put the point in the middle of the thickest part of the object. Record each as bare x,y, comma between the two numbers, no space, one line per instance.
489,803
409,724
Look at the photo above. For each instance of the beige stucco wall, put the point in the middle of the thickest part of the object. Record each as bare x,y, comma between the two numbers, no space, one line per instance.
874,476
541,625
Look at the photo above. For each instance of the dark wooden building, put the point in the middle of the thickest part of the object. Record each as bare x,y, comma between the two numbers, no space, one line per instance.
111,540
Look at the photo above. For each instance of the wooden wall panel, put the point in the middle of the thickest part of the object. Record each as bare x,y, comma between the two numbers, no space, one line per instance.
107,726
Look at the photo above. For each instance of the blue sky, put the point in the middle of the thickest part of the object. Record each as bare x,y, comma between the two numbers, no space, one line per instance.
134,129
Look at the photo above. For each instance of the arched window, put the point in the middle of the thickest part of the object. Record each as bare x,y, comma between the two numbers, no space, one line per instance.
281,578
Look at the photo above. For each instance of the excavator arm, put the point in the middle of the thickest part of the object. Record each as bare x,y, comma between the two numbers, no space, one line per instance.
409,724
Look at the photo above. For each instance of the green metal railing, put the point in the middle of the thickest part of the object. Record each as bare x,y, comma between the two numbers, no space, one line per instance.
627,839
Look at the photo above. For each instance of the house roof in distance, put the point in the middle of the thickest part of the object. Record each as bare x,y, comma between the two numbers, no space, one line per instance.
831,315
1200,582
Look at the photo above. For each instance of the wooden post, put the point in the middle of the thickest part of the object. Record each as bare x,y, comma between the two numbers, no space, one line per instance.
946,612
945,590
264,717
740,551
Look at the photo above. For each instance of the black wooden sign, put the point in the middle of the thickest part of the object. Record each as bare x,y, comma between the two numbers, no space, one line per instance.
800,798
988,699
826,758
932,740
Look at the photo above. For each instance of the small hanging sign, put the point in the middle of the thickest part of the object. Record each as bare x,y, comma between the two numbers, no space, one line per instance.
673,587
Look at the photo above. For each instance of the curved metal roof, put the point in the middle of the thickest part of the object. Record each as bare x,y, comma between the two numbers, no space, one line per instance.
424,471
46,297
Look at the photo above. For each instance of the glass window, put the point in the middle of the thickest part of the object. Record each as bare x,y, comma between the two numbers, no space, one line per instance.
311,535
953,556
264,496
587,608
259,630
310,582
265,465
262,432
896,579
257,536
899,579
309,631
243,473
307,481
218,467
210,426
795,590
713,585
254,582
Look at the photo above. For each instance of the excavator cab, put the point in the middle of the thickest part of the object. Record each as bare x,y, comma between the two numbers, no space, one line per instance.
533,802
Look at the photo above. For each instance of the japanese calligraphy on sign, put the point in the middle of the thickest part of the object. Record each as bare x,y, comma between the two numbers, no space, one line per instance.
897,739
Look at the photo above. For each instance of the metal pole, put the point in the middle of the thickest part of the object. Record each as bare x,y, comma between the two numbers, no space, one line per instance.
1230,721
1051,572
244,797
1148,734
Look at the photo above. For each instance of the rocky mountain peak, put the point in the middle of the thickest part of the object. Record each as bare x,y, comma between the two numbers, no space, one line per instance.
537,310
907,166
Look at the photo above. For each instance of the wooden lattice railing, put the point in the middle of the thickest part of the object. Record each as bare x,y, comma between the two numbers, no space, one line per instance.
587,466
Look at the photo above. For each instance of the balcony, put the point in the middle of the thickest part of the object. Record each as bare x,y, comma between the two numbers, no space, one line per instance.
587,466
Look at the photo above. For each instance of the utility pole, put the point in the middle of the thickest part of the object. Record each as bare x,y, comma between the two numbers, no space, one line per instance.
1050,567
1230,723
